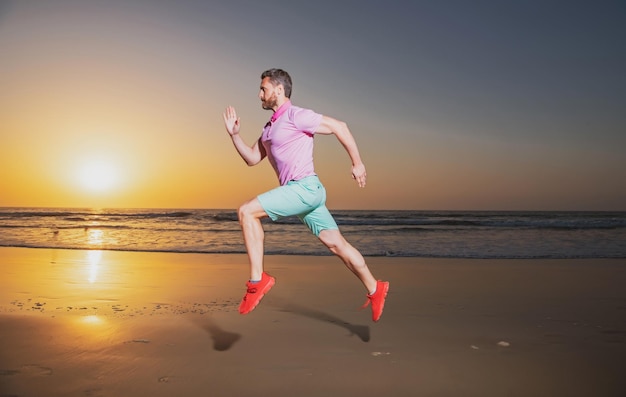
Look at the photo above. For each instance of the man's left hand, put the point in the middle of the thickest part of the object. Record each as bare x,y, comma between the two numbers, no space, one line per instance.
359,174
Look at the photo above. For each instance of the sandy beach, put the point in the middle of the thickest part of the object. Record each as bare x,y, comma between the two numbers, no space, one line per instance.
106,323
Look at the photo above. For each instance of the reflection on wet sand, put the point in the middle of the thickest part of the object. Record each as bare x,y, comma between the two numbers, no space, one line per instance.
93,261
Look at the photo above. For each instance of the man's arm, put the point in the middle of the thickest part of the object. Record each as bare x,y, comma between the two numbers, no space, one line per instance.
340,129
252,155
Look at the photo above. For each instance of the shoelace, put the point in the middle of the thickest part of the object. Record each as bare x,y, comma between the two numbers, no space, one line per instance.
367,302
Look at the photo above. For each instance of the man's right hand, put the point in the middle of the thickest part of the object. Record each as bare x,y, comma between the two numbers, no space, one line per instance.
231,121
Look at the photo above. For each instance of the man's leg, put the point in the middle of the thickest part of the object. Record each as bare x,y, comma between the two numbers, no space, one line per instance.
276,203
260,283
376,290
337,244
250,215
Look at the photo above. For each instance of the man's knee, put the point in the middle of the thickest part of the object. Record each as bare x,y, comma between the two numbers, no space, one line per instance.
244,210
333,240
251,209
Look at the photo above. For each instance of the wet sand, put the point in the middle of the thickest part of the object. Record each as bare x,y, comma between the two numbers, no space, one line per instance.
103,323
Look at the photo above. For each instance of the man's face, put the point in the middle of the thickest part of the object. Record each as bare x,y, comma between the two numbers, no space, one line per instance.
267,94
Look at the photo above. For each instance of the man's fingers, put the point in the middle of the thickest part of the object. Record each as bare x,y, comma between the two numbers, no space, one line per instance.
360,180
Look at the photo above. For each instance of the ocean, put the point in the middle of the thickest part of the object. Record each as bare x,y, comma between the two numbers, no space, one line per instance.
434,234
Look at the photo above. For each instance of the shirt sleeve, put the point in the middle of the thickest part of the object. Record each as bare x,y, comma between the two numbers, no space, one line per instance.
306,120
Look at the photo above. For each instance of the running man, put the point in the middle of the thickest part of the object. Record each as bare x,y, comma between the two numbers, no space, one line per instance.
287,142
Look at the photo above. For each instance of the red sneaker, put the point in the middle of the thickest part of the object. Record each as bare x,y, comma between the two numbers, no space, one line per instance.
255,292
377,299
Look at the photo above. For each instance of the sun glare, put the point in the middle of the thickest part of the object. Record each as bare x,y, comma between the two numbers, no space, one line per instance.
98,175
93,258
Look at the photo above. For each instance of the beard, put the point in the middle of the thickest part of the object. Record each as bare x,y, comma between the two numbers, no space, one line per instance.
270,103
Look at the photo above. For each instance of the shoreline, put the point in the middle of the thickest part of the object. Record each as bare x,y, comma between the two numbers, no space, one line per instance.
384,233
75,323
322,254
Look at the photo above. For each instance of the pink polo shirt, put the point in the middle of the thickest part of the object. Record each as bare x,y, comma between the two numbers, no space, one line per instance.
288,141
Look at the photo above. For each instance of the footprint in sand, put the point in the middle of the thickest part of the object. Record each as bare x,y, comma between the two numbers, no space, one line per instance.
166,379
8,372
35,370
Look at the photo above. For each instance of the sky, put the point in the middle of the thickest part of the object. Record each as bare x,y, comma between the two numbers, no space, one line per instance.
455,105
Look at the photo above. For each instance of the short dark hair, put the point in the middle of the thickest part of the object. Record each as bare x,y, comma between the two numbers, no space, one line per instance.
279,76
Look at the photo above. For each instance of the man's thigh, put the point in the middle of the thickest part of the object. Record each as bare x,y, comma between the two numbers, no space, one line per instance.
283,201
319,219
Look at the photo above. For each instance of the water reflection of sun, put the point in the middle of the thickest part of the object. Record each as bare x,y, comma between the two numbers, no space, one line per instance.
92,319
93,262
95,237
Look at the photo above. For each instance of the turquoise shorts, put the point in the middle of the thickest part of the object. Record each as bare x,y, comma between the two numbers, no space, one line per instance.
304,198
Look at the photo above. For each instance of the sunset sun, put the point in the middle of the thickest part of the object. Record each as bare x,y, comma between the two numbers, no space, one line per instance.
98,175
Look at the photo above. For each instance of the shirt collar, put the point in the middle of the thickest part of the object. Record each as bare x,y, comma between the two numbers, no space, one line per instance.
279,112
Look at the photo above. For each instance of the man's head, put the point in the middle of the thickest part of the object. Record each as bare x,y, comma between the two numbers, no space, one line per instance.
275,88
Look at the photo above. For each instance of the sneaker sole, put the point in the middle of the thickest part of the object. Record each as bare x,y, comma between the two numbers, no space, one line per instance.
261,293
